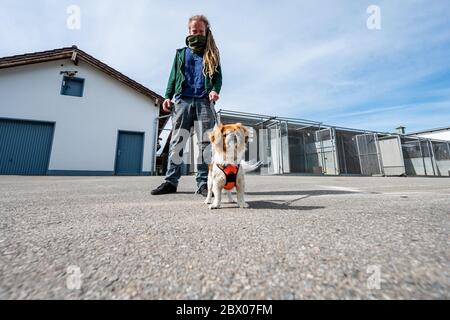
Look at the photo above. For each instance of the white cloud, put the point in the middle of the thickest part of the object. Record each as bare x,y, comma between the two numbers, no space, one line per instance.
292,58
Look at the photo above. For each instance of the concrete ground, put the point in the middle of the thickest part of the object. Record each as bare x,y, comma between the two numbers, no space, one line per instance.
302,238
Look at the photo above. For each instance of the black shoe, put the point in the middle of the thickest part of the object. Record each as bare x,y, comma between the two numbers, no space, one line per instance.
164,188
203,190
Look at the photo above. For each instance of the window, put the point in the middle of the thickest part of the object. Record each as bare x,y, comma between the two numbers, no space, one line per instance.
72,86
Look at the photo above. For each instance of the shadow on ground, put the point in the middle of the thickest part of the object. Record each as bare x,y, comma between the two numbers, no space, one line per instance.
298,193
282,205
289,193
287,204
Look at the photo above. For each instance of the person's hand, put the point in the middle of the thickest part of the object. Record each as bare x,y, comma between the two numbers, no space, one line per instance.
214,96
167,105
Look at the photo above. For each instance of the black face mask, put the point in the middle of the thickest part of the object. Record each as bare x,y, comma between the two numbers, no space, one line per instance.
197,43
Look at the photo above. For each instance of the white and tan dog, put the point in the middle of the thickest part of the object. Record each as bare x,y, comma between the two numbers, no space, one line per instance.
226,172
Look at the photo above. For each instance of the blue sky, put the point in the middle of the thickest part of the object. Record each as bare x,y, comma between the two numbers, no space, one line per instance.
308,59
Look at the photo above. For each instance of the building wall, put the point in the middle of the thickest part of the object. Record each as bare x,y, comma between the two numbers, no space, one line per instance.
86,128
440,135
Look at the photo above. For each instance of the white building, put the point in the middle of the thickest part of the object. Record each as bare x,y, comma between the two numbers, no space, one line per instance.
63,112
439,133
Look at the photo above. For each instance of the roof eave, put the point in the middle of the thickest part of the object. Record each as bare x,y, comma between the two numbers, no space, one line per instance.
76,54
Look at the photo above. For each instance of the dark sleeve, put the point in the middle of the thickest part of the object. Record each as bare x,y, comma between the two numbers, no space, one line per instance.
172,79
217,80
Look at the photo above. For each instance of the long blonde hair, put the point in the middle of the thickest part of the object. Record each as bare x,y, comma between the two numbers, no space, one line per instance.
211,58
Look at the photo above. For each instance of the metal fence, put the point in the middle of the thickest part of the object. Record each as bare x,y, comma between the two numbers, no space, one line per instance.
348,156
299,146
441,151
418,157
369,155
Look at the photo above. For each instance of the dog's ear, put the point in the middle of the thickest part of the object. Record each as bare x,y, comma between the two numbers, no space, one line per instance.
246,133
211,136
216,135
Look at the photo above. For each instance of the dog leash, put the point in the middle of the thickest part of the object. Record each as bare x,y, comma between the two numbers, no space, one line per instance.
212,106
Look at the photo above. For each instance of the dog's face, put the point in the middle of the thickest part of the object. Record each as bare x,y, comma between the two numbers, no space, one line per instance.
229,141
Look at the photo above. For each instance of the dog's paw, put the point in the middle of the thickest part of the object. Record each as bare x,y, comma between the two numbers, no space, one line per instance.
208,201
244,205
214,206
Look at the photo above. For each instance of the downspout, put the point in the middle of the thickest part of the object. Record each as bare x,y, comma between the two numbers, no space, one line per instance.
155,145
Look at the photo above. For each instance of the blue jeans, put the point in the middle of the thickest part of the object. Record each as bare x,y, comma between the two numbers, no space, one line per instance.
187,113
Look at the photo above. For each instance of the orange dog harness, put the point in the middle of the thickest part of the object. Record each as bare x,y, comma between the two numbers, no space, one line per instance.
230,172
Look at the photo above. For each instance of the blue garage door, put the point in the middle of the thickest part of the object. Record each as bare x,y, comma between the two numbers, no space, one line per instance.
25,147
129,153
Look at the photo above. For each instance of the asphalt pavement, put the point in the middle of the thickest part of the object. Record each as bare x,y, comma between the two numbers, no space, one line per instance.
303,237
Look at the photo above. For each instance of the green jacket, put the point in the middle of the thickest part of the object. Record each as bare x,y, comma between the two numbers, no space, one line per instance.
176,79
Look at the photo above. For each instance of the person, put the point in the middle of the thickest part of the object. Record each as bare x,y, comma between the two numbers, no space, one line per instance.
194,83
